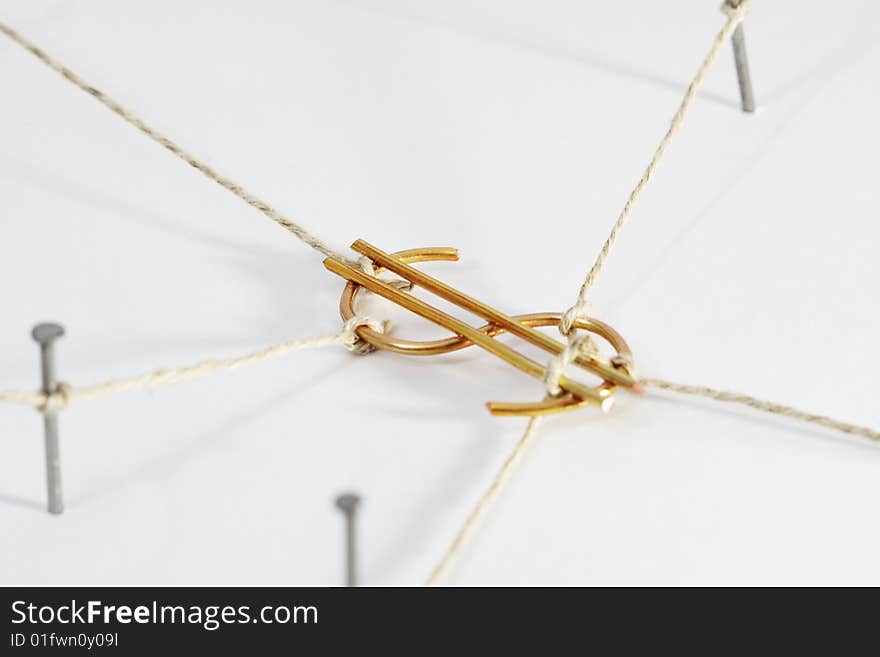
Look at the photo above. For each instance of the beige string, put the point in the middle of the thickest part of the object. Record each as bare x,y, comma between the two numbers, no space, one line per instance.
763,405
64,394
577,344
210,173
482,505
507,469
735,15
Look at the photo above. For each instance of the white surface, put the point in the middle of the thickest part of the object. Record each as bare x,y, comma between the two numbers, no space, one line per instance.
513,130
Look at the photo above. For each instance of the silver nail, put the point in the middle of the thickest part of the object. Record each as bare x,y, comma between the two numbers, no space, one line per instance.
45,335
746,95
348,503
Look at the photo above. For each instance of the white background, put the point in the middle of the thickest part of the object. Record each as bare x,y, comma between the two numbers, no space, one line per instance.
514,131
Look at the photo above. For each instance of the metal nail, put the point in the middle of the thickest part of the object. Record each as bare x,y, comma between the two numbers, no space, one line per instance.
348,503
45,335
746,95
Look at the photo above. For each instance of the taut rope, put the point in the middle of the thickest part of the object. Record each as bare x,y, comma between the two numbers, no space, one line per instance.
249,198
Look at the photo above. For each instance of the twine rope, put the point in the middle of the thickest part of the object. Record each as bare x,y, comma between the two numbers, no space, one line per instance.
762,405
578,344
735,16
64,394
474,517
508,469
248,197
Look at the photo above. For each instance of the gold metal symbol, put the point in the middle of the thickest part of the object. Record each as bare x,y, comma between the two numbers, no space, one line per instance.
614,372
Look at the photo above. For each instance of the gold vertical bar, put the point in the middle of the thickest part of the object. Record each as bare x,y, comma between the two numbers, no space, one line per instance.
488,313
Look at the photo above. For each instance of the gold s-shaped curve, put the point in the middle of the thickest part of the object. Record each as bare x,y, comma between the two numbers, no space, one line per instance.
614,372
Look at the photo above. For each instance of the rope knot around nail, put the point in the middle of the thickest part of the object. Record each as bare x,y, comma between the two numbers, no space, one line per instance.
736,11
353,342
57,400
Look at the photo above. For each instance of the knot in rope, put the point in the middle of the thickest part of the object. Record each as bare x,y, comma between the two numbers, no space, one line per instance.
570,316
736,10
57,400
353,342
577,345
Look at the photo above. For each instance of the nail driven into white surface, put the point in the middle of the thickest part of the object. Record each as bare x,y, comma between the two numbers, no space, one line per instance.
45,335
348,503
746,94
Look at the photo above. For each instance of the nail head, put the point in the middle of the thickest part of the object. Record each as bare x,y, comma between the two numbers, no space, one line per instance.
348,502
47,332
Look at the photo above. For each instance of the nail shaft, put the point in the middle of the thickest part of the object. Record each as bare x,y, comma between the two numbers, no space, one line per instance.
45,335
746,95
348,504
